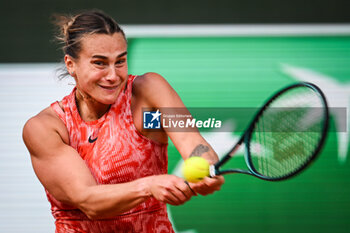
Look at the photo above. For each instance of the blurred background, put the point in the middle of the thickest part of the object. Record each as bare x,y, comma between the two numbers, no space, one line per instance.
215,54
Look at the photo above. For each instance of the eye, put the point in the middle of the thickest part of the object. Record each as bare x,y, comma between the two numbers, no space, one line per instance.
99,63
120,62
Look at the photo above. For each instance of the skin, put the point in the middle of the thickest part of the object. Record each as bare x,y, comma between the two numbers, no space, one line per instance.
100,73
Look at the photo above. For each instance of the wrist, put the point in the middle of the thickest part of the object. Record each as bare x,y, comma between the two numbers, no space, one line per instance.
144,186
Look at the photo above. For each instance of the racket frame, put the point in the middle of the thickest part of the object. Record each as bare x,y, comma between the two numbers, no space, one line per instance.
246,137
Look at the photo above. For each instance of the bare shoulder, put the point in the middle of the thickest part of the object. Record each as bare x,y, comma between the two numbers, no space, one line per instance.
43,127
46,118
149,76
148,82
152,87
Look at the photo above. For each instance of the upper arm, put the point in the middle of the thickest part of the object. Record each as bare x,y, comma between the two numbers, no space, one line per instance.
58,166
158,93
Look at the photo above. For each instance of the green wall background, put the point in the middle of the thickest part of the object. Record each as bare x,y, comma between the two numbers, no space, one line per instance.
27,32
243,72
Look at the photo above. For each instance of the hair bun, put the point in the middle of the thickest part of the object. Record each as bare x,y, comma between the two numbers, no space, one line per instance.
63,22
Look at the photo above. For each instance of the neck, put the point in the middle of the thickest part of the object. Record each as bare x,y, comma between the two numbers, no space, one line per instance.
89,109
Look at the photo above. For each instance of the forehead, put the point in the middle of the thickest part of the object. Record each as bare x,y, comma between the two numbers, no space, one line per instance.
103,44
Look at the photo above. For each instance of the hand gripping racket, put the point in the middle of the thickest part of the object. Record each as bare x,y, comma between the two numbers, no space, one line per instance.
285,136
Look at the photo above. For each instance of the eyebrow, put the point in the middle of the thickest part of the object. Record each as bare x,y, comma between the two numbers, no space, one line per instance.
104,57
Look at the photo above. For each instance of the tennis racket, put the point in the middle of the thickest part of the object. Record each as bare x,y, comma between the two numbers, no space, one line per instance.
285,136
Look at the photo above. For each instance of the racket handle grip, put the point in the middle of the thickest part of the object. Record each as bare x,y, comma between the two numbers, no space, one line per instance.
212,171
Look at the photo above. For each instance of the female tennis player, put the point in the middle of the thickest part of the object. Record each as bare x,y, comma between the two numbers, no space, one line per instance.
102,173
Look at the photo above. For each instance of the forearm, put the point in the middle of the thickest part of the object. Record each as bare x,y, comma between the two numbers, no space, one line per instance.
191,144
105,201
203,149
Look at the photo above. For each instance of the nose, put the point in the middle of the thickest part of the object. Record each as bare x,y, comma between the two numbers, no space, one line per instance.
112,75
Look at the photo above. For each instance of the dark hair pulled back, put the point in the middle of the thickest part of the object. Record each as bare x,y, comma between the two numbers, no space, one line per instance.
74,28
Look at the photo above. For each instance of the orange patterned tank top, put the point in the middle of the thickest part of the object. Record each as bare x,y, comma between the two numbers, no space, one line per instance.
115,152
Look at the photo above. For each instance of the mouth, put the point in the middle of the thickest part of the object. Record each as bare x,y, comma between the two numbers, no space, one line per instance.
110,88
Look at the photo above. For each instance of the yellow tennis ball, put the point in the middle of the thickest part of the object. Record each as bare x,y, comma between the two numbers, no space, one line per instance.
195,169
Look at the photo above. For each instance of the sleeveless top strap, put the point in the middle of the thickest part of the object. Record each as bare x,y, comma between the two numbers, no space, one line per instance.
59,111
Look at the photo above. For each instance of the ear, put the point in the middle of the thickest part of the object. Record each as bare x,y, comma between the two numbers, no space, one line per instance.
70,64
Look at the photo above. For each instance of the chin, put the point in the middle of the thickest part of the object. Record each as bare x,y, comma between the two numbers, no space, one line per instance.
108,101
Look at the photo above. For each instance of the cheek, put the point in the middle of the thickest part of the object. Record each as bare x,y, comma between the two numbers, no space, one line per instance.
95,75
124,74
86,80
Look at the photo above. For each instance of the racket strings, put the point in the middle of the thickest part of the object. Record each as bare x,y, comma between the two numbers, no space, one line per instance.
287,133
